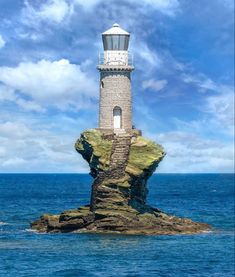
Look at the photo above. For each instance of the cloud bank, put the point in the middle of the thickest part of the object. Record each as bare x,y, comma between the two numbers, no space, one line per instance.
58,83
182,87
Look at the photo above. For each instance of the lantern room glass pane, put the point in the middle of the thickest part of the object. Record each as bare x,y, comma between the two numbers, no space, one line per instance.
109,42
115,39
122,42
115,42
126,42
104,42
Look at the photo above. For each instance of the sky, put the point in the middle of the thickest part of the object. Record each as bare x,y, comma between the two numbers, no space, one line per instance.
182,86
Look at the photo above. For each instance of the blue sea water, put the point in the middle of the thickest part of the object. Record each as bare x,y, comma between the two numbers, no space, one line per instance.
202,197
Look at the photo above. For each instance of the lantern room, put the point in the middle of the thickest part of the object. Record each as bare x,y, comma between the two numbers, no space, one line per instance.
115,43
115,39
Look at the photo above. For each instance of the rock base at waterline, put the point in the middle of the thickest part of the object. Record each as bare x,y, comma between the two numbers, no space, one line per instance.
121,165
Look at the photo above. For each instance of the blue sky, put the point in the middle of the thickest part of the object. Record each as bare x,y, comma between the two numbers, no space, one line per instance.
182,85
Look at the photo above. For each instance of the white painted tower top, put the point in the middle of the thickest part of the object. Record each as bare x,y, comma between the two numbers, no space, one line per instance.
116,30
115,43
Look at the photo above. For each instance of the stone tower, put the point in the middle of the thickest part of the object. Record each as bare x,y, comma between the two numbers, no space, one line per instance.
115,66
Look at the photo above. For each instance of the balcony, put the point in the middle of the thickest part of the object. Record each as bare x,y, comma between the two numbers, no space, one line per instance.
116,58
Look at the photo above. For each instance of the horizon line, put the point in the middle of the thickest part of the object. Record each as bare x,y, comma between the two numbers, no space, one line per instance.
61,173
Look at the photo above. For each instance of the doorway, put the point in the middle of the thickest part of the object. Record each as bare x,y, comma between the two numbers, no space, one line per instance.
117,118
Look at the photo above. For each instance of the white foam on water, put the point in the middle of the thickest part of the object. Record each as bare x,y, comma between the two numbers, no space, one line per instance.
207,231
34,231
3,223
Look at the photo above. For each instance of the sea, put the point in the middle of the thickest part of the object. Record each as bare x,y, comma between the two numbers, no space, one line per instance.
202,197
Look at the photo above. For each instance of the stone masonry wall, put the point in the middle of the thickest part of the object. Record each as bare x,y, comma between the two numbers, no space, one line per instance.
115,90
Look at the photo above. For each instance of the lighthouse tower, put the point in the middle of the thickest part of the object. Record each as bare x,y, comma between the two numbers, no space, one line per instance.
115,66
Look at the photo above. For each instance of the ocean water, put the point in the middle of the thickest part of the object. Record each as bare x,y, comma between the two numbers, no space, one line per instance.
202,197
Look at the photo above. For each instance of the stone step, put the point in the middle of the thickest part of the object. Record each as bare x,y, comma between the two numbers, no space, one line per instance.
120,136
121,150
120,162
117,163
118,167
122,139
118,159
118,155
121,144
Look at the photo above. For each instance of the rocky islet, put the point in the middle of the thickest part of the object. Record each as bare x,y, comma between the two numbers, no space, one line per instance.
120,164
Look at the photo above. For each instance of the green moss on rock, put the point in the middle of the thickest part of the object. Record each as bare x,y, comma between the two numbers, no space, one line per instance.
94,149
144,155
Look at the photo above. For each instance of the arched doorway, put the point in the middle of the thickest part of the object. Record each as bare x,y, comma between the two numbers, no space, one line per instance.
117,118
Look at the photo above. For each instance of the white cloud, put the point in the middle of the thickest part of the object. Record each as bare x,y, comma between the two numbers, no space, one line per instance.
35,147
88,4
11,130
54,11
13,162
145,58
57,10
201,81
154,84
205,84
58,83
189,153
168,7
221,108
205,144
2,42
8,94
29,105
218,102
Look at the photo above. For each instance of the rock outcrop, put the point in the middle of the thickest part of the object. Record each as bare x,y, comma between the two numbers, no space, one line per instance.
121,165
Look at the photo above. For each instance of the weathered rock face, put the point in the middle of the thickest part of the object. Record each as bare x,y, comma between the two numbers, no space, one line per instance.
121,165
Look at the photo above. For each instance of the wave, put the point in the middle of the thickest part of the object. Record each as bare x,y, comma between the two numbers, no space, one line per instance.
3,223
33,231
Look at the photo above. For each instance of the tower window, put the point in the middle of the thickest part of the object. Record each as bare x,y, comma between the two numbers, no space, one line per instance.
102,84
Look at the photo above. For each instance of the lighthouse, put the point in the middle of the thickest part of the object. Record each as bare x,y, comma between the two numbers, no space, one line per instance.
115,67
